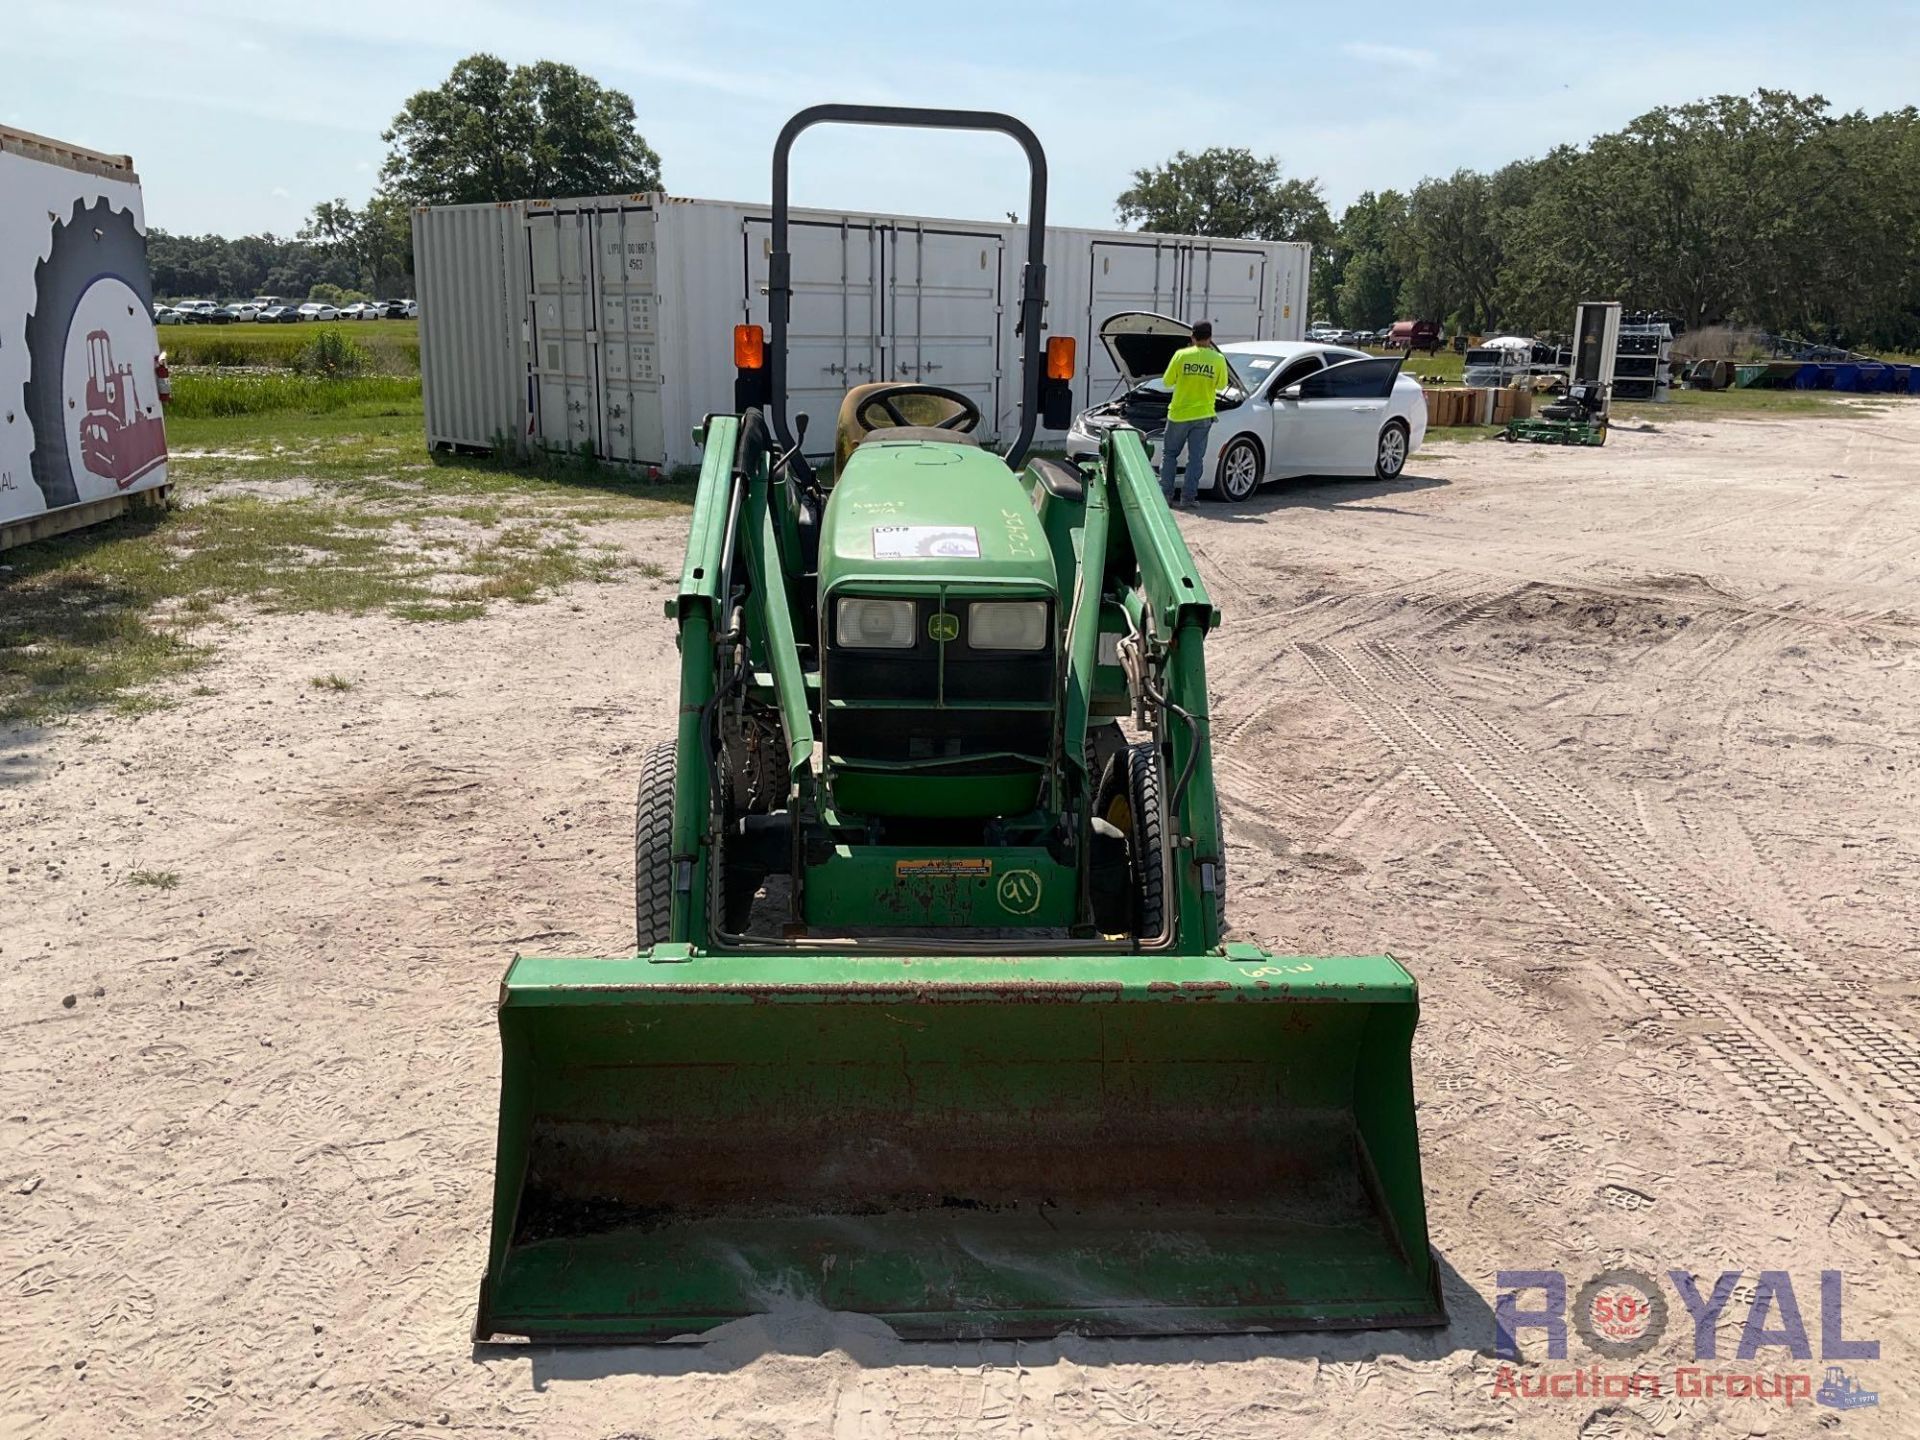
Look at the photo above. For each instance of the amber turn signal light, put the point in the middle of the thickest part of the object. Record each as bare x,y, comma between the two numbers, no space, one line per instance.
1060,357
750,347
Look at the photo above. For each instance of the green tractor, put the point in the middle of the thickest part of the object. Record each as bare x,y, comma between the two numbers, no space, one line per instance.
933,1015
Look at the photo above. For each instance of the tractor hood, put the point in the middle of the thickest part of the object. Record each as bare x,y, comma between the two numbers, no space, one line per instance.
911,511
1142,343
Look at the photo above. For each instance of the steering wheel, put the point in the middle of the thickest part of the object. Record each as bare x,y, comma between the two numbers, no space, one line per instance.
963,423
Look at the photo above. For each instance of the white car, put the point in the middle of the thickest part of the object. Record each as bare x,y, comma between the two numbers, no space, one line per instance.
1296,408
317,310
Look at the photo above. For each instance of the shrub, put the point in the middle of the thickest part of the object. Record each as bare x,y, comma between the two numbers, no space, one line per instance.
330,354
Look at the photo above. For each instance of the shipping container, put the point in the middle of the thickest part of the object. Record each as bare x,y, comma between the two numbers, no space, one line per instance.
604,326
81,431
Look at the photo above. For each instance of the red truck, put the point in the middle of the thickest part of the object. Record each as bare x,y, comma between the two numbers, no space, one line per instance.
1411,335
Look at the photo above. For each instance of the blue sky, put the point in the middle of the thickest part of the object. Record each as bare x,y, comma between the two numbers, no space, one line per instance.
241,115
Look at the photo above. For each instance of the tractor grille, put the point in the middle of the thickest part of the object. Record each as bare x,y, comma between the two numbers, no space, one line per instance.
894,732
956,735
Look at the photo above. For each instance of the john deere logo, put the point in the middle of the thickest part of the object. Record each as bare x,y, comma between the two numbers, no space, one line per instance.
943,627
1019,892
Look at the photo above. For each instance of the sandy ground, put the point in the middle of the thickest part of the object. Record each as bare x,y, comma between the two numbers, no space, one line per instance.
1615,748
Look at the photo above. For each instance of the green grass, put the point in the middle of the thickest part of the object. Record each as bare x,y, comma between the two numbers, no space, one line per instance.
1460,434
1736,404
330,682
212,394
394,343
154,879
335,510
1445,368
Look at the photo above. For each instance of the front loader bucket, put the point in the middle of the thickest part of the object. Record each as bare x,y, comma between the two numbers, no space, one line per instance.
964,1147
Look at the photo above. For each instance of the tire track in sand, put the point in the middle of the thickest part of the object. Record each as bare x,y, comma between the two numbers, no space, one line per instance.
1797,1044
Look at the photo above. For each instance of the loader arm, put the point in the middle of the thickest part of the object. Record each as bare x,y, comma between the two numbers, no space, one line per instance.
1174,610
732,544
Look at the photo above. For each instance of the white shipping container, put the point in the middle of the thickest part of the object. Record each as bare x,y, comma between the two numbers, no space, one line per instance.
605,325
81,431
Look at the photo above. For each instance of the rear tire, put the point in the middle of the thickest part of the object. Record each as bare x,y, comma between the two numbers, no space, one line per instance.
1390,455
653,847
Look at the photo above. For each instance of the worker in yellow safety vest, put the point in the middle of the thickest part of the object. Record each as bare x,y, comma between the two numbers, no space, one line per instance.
1196,374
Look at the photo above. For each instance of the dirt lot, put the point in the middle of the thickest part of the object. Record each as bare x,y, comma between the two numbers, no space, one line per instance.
1616,749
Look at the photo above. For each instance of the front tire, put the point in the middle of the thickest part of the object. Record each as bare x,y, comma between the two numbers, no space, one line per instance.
1237,473
653,848
1390,456
1131,798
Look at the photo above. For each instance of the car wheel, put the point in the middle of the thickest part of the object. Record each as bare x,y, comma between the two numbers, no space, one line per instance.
1237,473
1391,458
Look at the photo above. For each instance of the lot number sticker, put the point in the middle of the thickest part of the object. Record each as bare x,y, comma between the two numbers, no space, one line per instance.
905,542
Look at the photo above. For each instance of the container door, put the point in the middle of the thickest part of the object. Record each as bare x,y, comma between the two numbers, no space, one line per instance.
1126,275
1286,311
944,313
1226,285
833,334
566,382
626,271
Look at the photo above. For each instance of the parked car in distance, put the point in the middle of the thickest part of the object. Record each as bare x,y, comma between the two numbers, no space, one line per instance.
266,302
360,310
395,309
278,315
412,310
1296,407
167,315
198,311
240,313
318,310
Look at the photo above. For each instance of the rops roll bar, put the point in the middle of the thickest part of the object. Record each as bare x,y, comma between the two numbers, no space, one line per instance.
1033,286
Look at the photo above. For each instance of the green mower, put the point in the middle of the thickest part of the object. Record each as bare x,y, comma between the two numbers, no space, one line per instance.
932,1014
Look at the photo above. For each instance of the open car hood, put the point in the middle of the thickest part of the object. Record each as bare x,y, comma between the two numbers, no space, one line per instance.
1142,343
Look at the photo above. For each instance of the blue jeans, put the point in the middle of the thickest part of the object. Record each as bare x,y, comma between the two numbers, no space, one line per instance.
1188,435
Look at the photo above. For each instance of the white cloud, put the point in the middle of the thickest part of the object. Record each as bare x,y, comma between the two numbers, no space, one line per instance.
1404,56
280,192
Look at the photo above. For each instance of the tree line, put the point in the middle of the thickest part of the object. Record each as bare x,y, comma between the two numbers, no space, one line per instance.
1767,211
489,132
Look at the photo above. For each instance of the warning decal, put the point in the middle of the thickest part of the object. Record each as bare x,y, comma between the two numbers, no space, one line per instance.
973,867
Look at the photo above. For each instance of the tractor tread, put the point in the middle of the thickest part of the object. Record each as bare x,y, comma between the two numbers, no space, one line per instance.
653,847
1144,798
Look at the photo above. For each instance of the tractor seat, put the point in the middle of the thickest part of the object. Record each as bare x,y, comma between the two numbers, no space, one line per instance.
928,410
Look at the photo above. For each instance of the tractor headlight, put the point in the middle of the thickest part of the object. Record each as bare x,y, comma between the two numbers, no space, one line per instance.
861,624
1007,625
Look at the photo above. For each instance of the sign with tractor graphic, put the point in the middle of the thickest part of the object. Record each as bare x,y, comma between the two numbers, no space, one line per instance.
82,433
